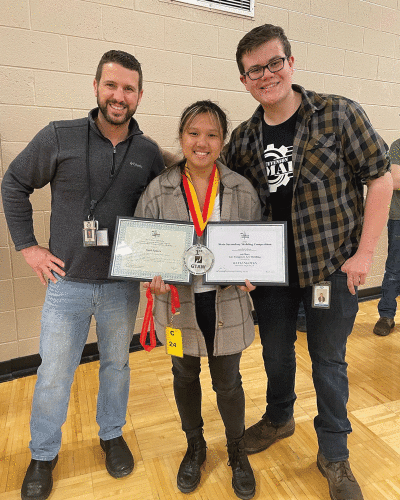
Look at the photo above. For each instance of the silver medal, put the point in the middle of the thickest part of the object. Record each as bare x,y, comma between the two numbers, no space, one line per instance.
198,259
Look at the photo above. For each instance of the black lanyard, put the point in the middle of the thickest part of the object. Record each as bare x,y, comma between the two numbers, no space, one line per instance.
94,203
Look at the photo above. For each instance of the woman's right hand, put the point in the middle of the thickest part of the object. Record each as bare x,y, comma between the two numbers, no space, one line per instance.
249,287
157,286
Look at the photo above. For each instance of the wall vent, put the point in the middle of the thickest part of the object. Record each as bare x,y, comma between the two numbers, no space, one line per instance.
243,7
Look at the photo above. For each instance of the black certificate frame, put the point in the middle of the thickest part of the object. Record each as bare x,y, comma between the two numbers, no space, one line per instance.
149,228
217,277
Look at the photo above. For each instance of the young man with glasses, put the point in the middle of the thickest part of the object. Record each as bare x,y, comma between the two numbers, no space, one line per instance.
309,155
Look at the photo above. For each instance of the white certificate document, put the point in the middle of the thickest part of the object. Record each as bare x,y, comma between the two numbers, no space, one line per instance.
256,251
144,248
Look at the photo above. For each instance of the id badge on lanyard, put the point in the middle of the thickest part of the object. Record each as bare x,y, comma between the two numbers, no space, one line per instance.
92,235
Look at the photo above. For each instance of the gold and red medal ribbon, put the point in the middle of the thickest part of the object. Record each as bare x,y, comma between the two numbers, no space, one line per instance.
149,320
200,218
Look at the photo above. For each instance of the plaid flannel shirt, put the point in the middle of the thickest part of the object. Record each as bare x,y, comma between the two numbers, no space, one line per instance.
335,151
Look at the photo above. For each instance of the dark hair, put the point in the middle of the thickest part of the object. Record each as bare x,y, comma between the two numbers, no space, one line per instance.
126,60
256,37
200,107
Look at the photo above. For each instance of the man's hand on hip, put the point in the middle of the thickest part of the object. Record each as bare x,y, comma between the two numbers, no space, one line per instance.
43,262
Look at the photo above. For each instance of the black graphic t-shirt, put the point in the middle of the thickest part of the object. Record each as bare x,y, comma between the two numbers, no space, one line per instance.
278,147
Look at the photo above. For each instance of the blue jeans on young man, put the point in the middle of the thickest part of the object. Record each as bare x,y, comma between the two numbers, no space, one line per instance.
67,312
327,332
391,280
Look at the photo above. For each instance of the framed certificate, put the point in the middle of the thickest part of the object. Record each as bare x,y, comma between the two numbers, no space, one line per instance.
144,248
256,251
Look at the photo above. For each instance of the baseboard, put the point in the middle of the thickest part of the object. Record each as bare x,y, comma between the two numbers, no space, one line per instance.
369,294
28,365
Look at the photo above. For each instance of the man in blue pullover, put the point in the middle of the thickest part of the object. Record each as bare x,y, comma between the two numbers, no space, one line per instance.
97,168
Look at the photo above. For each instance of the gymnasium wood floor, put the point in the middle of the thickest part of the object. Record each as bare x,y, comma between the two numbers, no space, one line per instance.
286,471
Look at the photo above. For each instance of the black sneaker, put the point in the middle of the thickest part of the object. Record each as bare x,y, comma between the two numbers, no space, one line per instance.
342,484
384,326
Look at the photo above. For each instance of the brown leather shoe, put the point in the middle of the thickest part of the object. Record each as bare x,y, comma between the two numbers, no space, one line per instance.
119,459
342,484
38,481
261,435
384,326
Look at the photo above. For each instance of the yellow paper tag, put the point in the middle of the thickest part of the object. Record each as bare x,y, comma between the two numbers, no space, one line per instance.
173,344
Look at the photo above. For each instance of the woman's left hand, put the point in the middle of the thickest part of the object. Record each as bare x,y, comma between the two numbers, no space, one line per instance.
157,286
248,288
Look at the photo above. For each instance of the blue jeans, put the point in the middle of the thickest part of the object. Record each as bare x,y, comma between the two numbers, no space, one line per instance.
327,332
391,281
66,316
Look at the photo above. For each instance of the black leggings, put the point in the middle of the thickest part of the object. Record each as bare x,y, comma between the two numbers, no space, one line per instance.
225,375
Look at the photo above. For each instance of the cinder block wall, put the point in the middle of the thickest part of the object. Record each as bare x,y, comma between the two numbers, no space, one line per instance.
49,50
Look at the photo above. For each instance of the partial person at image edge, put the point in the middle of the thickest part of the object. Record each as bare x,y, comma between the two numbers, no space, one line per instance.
387,305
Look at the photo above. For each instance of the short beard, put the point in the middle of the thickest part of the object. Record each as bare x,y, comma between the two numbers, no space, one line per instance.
109,119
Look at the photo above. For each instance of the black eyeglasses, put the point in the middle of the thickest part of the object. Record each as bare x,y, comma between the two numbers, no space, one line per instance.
273,67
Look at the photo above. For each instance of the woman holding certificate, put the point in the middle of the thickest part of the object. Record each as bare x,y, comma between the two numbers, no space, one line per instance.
214,321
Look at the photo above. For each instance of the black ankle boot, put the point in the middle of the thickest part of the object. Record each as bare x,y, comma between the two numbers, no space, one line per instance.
243,482
189,471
